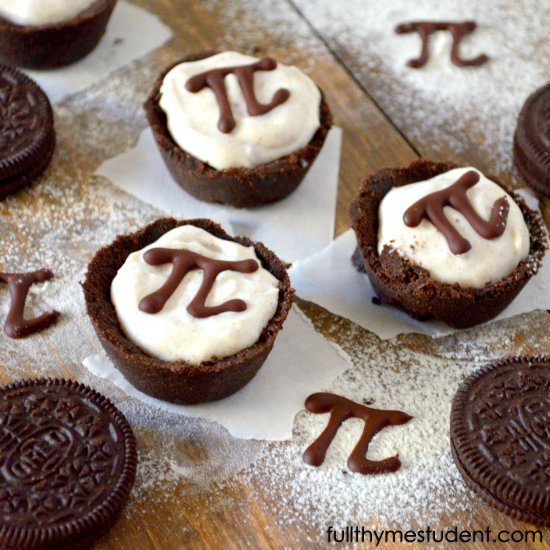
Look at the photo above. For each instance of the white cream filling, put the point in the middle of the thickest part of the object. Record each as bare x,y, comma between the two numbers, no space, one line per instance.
487,261
42,12
193,117
174,333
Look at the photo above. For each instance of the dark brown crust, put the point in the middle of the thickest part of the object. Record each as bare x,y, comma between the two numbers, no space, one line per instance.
55,45
531,158
21,170
79,533
398,282
507,496
240,187
177,381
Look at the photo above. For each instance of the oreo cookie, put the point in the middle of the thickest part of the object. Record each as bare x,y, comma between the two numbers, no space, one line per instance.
53,45
67,465
532,142
27,134
500,436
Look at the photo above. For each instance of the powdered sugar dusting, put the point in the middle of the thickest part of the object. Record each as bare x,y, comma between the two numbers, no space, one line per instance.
62,221
443,109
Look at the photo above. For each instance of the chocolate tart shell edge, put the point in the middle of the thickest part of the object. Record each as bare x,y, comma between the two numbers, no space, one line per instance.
500,492
177,381
54,45
15,184
400,283
239,187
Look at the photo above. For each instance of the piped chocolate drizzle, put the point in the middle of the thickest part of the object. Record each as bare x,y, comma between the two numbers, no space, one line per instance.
215,80
183,262
342,409
16,326
431,207
458,31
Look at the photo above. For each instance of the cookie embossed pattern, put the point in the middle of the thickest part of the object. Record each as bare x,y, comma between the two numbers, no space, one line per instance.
79,208
68,462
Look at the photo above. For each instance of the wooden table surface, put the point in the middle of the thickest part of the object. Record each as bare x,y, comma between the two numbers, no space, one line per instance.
205,518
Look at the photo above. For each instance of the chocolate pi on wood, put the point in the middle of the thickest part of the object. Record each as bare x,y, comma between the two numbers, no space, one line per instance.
16,325
342,409
183,262
425,29
431,207
215,80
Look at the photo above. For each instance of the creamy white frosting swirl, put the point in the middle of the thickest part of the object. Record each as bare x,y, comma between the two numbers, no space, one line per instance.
487,261
174,333
42,12
193,117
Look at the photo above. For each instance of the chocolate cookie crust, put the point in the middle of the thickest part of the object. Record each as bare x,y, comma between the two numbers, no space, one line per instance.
500,436
399,282
532,142
27,134
54,45
68,462
240,187
177,381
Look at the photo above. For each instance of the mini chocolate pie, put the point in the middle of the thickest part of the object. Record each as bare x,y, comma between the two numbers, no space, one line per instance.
27,134
181,381
234,185
54,45
67,465
402,283
532,142
342,409
500,436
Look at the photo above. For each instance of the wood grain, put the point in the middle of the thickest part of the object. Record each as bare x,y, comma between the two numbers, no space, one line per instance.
233,512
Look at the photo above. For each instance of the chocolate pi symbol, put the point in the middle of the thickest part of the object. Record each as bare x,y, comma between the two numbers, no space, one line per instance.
458,32
215,80
183,262
431,207
16,325
342,409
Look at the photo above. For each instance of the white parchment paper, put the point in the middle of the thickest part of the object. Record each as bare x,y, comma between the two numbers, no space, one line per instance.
294,228
131,33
